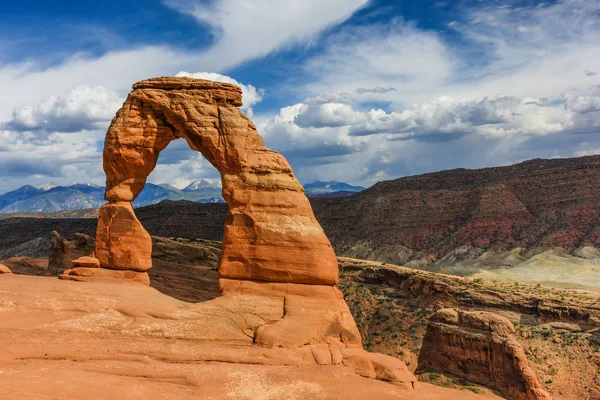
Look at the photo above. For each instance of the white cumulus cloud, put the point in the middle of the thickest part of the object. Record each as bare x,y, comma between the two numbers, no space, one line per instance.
326,115
82,107
583,102
250,94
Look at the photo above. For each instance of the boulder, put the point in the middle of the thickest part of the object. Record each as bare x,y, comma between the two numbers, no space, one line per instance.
86,262
4,269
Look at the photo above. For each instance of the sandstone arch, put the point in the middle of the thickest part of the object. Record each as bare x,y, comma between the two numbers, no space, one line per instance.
278,269
271,233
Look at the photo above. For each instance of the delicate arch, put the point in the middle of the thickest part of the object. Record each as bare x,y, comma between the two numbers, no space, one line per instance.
271,233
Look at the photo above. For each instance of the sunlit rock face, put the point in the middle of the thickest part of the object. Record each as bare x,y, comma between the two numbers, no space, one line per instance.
271,233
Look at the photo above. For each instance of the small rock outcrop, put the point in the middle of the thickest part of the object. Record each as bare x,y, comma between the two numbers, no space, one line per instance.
60,255
63,251
4,269
86,262
478,346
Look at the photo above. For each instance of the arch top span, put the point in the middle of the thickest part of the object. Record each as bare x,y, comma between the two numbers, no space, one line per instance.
225,92
271,234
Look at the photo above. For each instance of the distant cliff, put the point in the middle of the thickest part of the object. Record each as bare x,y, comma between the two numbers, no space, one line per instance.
537,203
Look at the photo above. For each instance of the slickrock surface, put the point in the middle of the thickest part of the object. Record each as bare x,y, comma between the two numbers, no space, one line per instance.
61,339
478,346
4,269
271,233
392,305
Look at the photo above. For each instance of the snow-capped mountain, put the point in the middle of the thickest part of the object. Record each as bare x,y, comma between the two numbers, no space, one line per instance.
22,193
52,197
319,187
169,187
89,184
47,186
203,184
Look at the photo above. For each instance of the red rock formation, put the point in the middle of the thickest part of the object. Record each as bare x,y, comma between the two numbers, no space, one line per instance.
60,255
478,346
271,233
122,243
86,262
551,203
4,269
312,314
62,251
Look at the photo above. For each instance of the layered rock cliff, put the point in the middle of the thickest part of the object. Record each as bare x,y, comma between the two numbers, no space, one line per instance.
479,346
537,203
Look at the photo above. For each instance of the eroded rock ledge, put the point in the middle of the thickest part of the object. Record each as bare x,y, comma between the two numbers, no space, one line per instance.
478,346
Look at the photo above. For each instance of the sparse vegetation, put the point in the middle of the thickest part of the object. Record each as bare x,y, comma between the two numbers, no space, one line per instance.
392,322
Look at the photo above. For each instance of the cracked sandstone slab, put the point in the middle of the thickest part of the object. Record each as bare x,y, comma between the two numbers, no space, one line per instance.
116,335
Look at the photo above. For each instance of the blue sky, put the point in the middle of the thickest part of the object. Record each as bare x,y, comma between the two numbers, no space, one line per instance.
351,90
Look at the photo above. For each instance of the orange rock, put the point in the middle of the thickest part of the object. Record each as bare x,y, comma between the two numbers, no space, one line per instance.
4,269
82,274
379,366
478,346
86,261
271,233
121,241
311,314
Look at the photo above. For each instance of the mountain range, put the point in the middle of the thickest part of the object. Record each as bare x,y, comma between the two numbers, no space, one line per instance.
331,189
51,197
